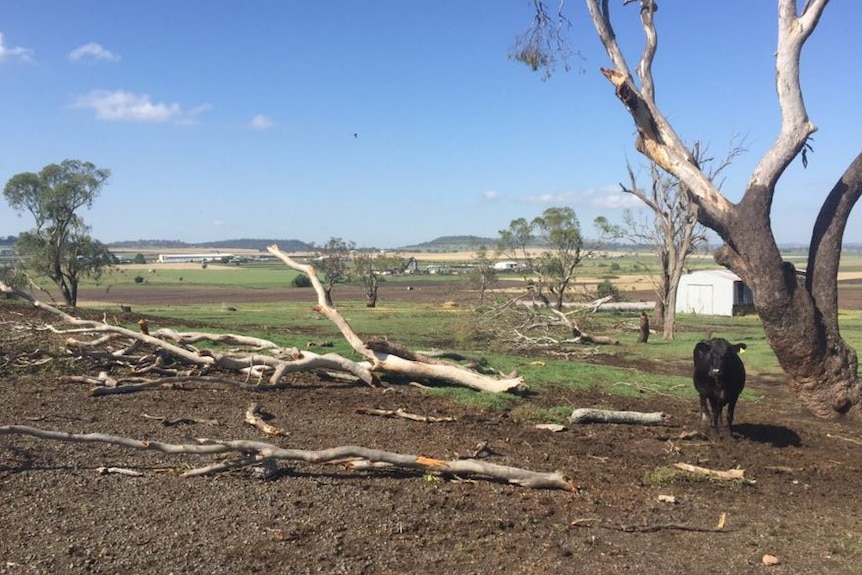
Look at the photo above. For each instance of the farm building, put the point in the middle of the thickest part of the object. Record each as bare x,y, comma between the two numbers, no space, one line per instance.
186,258
506,267
713,292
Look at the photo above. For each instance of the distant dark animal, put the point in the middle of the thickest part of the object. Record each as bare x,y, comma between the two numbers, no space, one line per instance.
643,336
719,377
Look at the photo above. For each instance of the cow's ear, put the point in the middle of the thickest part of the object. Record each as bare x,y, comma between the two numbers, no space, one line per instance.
740,347
702,346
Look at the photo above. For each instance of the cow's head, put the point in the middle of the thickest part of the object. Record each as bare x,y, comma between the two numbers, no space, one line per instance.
716,353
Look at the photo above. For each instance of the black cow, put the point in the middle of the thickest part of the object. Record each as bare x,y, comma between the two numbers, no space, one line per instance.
719,377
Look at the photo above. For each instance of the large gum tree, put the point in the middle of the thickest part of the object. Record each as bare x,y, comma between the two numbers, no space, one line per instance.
799,312
60,247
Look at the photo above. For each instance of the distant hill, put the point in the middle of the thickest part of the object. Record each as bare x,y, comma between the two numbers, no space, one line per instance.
451,244
243,244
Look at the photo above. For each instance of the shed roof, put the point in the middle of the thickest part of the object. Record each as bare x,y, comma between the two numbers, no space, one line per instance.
722,274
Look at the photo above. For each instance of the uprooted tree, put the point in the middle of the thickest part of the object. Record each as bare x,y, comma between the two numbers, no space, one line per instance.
799,316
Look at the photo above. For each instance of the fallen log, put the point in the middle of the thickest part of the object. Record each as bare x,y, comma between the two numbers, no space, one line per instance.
729,475
260,453
404,415
381,361
586,415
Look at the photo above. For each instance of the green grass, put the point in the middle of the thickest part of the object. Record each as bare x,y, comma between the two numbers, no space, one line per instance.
214,276
424,327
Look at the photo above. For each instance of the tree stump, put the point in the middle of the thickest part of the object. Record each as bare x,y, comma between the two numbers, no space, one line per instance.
644,328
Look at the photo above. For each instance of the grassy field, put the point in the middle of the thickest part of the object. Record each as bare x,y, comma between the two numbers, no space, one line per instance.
422,326
256,276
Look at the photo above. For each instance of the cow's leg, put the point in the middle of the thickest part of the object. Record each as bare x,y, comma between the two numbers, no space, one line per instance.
716,414
704,411
731,407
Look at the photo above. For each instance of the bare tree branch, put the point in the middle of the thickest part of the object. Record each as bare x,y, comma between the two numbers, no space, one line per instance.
256,452
380,361
793,31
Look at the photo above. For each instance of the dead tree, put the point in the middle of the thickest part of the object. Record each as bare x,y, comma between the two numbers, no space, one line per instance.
385,362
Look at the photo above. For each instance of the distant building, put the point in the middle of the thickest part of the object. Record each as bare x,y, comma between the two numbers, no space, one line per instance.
507,266
713,292
191,258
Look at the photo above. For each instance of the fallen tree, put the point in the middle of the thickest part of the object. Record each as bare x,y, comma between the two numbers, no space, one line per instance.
175,358
257,453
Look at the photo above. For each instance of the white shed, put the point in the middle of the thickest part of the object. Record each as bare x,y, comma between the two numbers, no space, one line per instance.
713,292
506,267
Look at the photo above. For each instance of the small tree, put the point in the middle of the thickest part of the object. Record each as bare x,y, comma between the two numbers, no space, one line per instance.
60,246
139,259
514,241
363,273
332,262
559,230
367,268
482,275
300,281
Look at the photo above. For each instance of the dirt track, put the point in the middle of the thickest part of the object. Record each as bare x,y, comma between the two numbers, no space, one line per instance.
60,515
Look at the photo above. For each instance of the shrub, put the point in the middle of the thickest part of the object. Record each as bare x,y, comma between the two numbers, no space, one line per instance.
139,279
301,281
606,288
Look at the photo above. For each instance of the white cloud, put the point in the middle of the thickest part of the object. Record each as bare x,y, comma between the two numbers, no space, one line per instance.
561,198
14,52
490,195
261,122
92,52
122,106
612,198
606,198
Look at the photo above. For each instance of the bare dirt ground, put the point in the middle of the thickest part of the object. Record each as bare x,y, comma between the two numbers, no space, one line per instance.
58,514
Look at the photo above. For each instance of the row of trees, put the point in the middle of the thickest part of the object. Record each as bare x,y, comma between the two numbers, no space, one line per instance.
338,261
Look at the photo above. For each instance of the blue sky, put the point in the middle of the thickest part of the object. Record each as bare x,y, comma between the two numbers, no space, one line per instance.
387,122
